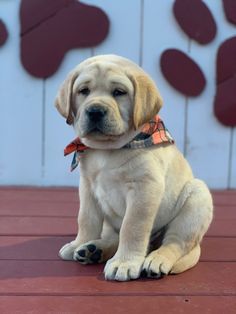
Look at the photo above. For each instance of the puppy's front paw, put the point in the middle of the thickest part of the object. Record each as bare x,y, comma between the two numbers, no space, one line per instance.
156,265
67,251
123,270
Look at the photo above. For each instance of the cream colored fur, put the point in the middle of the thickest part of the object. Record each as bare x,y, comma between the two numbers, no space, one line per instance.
129,195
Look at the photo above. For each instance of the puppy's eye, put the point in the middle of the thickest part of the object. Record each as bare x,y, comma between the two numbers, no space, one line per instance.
118,92
84,91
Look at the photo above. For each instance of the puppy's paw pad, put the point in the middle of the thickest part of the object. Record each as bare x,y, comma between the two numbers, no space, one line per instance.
91,247
96,256
82,253
45,19
156,266
121,270
88,254
174,75
187,13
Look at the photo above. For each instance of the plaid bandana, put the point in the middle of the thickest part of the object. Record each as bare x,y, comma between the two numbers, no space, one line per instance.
152,133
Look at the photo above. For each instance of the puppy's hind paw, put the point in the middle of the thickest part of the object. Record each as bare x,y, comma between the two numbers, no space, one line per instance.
156,266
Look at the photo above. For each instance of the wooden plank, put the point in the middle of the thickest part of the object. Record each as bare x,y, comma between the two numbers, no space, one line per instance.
38,194
224,191
225,199
124,37
46,248
222,228
32,248
21,110
38,226
39,208
155,42
68,208
43,270
225,212
117,304
208,140
218,249
20,200
57,133
232,178
68,226
65,278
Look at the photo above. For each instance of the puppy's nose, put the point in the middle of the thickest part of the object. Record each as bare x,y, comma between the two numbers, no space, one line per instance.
96,113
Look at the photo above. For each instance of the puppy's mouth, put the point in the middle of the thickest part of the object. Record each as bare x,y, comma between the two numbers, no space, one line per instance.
96,129
101,133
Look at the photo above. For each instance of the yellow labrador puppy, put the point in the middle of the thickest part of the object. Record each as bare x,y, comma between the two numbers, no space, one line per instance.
134,182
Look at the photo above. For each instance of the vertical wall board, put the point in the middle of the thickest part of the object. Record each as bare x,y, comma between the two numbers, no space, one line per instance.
124,35
208,142
161,32
232,183
57,133
20,109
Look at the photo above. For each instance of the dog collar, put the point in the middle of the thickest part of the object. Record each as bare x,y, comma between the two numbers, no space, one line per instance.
152,133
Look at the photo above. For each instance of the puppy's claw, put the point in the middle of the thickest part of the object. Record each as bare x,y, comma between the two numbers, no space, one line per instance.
157,266
143,273
123,270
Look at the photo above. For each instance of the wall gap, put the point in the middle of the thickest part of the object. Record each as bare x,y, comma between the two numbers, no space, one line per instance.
141,32
230,163
43,130
185,127
186,111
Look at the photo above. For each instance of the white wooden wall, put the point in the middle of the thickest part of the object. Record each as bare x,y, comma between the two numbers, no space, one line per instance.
33,135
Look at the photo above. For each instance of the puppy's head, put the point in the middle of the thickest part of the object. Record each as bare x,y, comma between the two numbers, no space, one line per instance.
106,98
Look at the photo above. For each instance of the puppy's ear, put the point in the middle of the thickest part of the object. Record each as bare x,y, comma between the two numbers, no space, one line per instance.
64,97
147,99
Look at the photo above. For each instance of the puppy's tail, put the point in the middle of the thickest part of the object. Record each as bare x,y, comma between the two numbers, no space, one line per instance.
187,261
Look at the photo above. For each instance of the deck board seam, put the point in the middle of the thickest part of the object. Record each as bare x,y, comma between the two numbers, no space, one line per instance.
153,294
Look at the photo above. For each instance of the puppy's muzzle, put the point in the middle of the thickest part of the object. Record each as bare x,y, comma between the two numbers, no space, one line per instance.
96,113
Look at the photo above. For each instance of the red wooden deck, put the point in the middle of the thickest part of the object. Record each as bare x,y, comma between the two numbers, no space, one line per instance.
35,223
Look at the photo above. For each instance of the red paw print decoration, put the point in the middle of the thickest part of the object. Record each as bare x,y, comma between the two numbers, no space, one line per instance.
50,28
225,98
196,20
3,33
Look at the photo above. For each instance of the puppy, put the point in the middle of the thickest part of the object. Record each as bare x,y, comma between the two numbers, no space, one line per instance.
134,182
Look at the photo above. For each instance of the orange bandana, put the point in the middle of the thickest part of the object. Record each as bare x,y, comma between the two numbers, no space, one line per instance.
152,133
